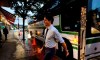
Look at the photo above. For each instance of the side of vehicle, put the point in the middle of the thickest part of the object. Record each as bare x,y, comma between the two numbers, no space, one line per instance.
93,31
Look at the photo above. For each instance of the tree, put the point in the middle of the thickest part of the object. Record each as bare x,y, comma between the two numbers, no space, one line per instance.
22,7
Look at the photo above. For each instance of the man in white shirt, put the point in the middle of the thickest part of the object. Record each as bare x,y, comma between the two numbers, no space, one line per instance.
50,37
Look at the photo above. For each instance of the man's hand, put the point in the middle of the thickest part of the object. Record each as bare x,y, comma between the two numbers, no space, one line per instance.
40,50
67,52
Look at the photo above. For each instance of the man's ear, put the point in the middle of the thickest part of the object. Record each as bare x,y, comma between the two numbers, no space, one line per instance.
50,22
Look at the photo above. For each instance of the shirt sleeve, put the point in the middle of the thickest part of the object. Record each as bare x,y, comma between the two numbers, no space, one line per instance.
58,36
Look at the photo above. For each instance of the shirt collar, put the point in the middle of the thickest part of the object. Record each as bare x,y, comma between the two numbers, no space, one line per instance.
50,26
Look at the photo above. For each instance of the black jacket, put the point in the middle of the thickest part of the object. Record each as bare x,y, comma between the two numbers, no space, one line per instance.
5,30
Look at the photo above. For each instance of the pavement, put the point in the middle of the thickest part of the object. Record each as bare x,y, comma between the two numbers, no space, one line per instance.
14,48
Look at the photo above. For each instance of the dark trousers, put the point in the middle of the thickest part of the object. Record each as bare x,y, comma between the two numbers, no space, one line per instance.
5,36
49,53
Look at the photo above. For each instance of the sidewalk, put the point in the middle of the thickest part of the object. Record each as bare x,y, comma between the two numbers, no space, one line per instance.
13,49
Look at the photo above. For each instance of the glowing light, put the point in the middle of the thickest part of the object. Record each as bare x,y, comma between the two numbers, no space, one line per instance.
75,40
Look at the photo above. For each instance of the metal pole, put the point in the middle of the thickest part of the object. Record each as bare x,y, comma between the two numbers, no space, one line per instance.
83,33
18,23
23,29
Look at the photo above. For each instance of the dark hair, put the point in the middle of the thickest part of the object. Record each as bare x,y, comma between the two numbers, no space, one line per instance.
49,17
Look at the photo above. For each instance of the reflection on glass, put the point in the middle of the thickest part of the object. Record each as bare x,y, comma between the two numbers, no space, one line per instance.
95,28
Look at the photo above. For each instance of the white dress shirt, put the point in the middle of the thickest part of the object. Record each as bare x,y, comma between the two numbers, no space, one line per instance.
51,35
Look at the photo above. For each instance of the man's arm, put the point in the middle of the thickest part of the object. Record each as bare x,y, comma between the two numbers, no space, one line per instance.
65,48
61,40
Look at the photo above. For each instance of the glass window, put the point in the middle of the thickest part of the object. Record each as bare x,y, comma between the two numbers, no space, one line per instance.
95,26
70,17
93,18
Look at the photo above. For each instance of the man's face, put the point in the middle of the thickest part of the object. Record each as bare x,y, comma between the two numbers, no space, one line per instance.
46,22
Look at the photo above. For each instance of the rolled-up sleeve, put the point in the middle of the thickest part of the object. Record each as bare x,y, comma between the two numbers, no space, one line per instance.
58,36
